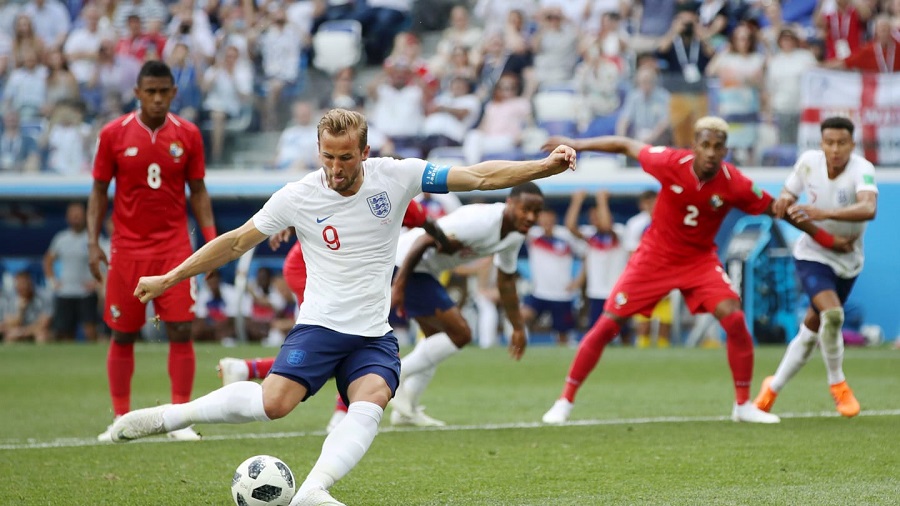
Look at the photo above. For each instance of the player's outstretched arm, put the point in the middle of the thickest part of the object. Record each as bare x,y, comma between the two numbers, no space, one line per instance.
98,202
506,285
221,250
413,257
825,239
606,144
497,174
863,209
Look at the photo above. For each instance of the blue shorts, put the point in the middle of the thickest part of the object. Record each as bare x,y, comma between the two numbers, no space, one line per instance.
425,296
817,277
311,355
560,311
595,309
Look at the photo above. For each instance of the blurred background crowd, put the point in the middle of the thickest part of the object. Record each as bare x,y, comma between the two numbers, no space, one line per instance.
471,79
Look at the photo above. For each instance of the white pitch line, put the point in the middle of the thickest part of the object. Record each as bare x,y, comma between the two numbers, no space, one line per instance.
33,444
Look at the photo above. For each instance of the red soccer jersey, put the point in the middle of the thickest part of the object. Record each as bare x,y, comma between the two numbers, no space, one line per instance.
688,212
150,169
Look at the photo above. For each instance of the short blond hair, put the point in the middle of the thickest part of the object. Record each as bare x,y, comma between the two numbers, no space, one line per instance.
341,121
713,123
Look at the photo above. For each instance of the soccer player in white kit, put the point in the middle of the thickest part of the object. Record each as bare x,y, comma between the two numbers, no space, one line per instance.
348,217
482,230
842,198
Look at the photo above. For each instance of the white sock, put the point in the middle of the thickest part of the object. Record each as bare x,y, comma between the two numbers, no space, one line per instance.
430,352
238,402
798,352
345,446
416,384
832,341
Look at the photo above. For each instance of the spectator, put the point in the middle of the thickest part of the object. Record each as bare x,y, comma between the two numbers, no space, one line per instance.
24,313
51,21
740,69
190,25
382,20
66,140
228,87
186,74
6,57
607,40
61,84
218,303
451,115
712,17
844,27
18,152
645,115
879,55
145,10
298,146
685,57
459,35
342,94
517,36
136,44
653,28
266,303
459,65
279,45
551,255
505,117
233,30
783,72
597,81
332,10
8,13
555,48
26,89
75,290
495,13
397,104
83,45
24,39
114,76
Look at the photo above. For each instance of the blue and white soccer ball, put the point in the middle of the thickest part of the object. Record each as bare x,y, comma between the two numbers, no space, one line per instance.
262,480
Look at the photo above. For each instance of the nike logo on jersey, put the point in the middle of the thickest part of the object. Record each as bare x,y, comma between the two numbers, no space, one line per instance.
132,151
320,220
677,189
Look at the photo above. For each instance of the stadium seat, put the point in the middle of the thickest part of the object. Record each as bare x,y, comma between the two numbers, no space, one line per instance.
555,106
447,156
601,125
782,155
337,45
567,128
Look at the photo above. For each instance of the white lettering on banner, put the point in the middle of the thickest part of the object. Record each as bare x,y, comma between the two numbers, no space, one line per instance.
871,101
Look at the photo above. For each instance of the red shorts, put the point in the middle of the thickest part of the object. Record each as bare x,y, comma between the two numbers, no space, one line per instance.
125,313
702,282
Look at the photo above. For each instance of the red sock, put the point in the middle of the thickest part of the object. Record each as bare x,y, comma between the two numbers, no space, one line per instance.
740,354
260,367
339,404
119,370
588,354
182,365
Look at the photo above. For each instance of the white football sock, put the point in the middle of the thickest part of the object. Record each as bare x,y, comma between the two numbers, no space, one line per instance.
238,402
430,352
345,446
832,341
798,352
416,384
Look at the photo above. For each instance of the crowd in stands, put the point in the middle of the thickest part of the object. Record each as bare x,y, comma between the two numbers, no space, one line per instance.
502,73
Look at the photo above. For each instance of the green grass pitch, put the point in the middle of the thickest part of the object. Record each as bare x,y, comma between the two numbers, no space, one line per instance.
650,427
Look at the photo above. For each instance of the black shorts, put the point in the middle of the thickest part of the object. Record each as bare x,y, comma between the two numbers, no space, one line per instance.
68,312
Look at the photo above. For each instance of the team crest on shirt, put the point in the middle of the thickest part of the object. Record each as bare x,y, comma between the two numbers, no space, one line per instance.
115,312
621,299
716,201
176,149
842,197
379,204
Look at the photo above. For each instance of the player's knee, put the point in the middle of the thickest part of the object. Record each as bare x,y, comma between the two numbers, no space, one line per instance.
833,317
276,408
461,336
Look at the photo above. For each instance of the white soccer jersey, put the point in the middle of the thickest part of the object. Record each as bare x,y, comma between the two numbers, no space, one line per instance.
477,226
349,243
551,259
604,260
811,176
634,230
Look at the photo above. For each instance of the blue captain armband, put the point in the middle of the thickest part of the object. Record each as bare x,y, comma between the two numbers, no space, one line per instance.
434,179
